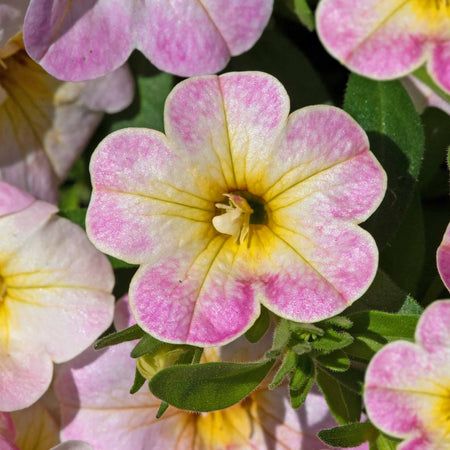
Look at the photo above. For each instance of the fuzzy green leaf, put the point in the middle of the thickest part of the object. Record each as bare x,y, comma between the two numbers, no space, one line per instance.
129,334
351,435
289,363
301,381
209,386
336,361
259,328
332,340
139,381
148,344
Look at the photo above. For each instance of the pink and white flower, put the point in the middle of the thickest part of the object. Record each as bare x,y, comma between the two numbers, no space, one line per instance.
97,407
55,295
443,258
81,40
385,39
238,204
407,387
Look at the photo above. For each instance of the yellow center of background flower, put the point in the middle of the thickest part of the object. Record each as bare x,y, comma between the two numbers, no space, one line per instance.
435,12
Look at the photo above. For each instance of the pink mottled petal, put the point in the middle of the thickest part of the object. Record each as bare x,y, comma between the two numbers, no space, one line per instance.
443,258
324,159
394,393
66,291
180,37
439,65
26,375
308,274
225,122
98,407
78,40
12,199
377,39
138,207
418,443
12,13
240,23
433,329
198,298
110,93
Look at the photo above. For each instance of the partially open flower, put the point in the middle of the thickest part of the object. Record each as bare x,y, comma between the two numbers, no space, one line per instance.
81,40
55,295
45,124
386,39
407,386
239,205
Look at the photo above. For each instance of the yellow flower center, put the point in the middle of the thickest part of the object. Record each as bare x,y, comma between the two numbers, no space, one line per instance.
441,414
234,218
2,289
434,12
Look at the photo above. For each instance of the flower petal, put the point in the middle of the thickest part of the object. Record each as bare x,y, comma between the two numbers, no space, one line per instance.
226,123
443,258
12,13
12,199
199,298
379,39
439,65
79,40
138,209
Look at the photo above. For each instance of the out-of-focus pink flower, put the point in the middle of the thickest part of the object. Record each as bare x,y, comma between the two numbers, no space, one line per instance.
386,39
55,295
97,407
237,205
45,123
80,40
407,388
443,258
423,96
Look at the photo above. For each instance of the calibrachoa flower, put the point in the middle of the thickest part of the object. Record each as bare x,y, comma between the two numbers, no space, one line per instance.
97,407
443,258
55,295
237,205
81,40
386,39
407,388
45,123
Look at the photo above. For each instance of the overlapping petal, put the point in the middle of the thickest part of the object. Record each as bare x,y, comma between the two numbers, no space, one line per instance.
155,199
97,407
45,124
387,39
443,258
12,14
87,39
407,385
55,299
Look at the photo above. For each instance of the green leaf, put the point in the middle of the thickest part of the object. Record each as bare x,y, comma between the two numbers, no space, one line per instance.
336,361
387,114
77,215
410,306
352,379
302,10
139,381
383,294
289,363
350,435
259,328
147,345
129,334
344,404
336,321
332,340
422,74
118,263
383,442
301,381
282,335
210,386
299,77
162,409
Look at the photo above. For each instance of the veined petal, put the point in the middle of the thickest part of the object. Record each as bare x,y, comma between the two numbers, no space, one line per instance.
230,122
308,276
443,258
97,32
380,39
138,209
199,298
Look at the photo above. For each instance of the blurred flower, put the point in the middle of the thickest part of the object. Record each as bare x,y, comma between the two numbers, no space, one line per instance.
85,39
238,205
97,407
54,295
45,123
386,39
443,258
407,386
